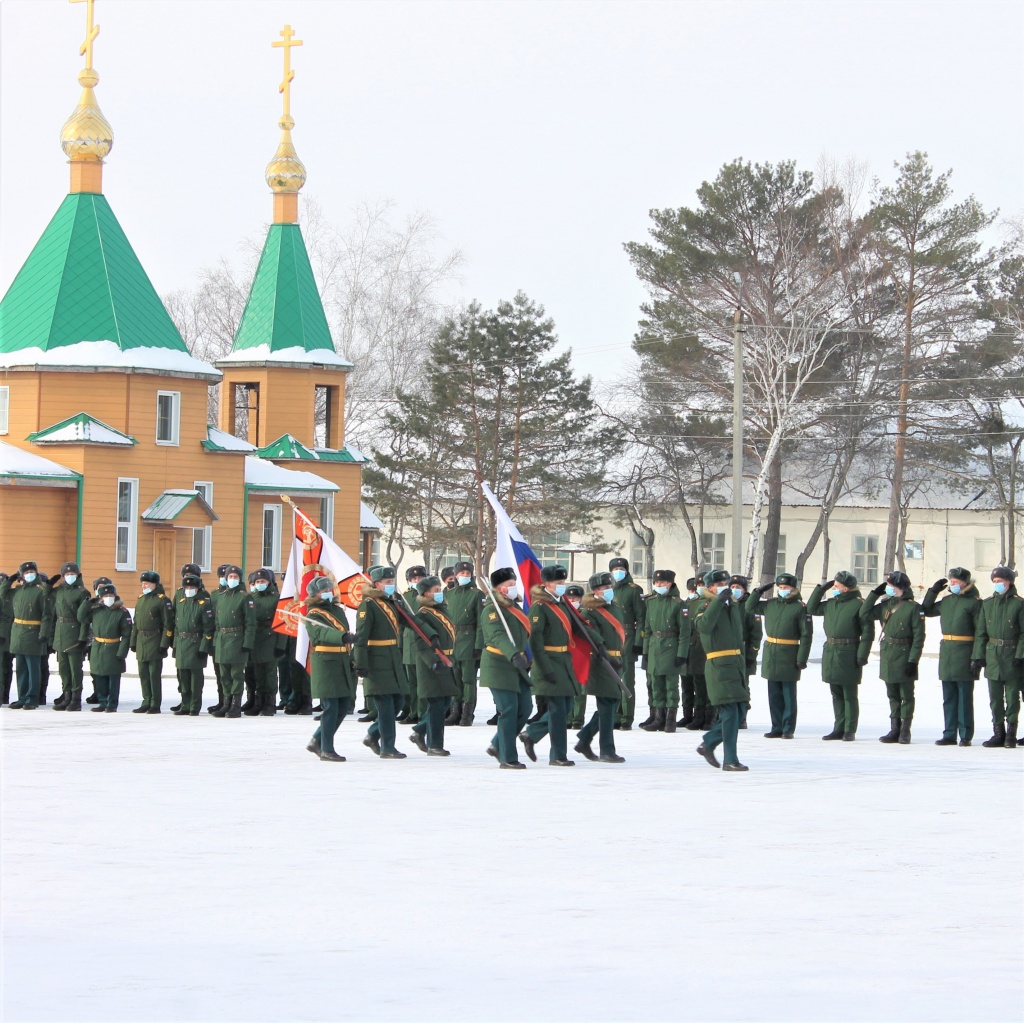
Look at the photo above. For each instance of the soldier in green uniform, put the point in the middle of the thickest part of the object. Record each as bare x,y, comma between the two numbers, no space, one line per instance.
721,627
667,631
605,617
193,641
412,710
574,596
193,570
93,698
152,632
687,687
551,637
110,624
6,657
222,701
752,634
234,617
902,641
331,672
848,637
267,646
378,659
505,665
999,649
66,596
465,604
958,615
696,664
29,630
629,598
787,646
436,680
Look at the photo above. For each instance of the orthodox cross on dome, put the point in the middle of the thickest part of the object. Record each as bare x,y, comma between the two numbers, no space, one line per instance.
286,42
92,30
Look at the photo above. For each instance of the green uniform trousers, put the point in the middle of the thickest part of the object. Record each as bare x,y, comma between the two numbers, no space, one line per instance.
190,685
334,710
284,674
554,725
383,726
413,702
725,730
465,675
845,707
627,702
700,694
232,679
431,723
602,723
70,667
265,679
220,685
579,710
513,710
901,699
782,706
1004,700
688,691
958,710
151,677
666,691
108,689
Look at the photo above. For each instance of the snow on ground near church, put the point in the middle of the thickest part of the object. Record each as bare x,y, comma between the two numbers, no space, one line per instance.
164,868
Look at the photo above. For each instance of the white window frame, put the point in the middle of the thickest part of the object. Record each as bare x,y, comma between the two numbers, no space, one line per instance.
5,408
714,549
861,569
641,559
780,555
277,513
130,525
175,397
205,489
374,548
327,514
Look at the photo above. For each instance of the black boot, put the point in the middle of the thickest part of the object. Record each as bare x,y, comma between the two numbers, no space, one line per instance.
586,749
74,701
645,724
541,710
92,699
670,719
454,715
686,719
143,709
1011,737
998,737
894,731
250,698
945,742
656,722
835,735
269,708
255,705
904,738
234,708
220,709
62,701
492,721
467,716
697,720
305,706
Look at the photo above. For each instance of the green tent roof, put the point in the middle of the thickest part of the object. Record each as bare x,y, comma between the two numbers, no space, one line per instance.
83,282
81,429
288,447
284,314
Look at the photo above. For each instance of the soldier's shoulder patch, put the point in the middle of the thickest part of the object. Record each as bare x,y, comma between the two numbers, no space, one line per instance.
758,617
362,614
534,618
201,602
492,617
181,600
686,612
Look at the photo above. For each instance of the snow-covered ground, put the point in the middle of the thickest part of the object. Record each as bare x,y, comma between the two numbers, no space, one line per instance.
164,868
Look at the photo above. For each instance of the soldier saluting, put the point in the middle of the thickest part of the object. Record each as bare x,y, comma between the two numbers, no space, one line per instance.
999,649
29,630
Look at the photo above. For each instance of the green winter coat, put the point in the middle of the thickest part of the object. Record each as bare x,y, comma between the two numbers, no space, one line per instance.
629,599
783,619
958,615
434,621
902,638
268,645
496,668
31,625
234,618
153,628
6,619
552,673
377,653
722,633
411,596
65,601
600,616
667,633
1000,636
331,672
465,607
111,636
752,635
847,635
193,632
696,661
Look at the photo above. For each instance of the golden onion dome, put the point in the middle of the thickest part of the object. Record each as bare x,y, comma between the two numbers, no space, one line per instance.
286,172
87,135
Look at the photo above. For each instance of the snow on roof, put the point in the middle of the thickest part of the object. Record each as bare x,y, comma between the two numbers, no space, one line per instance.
218,440
367,518
106,356
295,356
18,462
82,429
263,475
356,454
171,503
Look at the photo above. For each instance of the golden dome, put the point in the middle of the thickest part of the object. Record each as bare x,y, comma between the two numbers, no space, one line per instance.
87,135
286,172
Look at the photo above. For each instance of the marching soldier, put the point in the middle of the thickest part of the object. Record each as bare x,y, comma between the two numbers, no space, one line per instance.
999,649
378,659
629,598
6,622
412,710
29,630
234,617
66,596
667,630
332,679
752,634
958,615
436,681
193,641
110,624
267,646
152,633
465,604
899,650
848,638
721,627
505,666
787,646
605,617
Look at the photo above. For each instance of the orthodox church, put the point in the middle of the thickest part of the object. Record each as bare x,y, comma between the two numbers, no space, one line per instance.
106,454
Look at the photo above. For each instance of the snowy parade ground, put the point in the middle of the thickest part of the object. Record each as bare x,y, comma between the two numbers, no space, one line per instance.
165,868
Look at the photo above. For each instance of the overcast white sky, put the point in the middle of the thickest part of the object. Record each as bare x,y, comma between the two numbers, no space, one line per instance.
538,134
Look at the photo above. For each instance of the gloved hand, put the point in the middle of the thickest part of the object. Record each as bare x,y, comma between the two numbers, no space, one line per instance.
520,663
477,654
862,662
247,650
133,649
54,579
912,669
723,595
643,663
15,577
437,666
616,663
751,665
203,659
163,652
976,667
939,585
435,642
801,665
361,673
638,651
759,590
879,590
350,638
679,661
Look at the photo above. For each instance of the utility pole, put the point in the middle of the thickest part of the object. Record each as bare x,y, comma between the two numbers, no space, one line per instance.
737,437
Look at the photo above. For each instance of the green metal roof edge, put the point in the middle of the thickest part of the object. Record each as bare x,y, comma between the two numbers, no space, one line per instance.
80,416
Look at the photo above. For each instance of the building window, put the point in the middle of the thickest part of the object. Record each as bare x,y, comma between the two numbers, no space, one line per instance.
327,515
444,557
5,405
550,548
913,550
641,559
168,416
272,536
714,551
127,515
780,556
202,537
865,559
984,556
374,558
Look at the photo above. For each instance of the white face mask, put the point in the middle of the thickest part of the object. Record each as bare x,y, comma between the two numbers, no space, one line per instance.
191,593
146,590
260,587
463,580
233,583
70,579
662,590
955,588
512,592
29,577
109,601
785,593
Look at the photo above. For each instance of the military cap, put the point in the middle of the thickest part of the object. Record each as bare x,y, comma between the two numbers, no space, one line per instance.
464,566
664,575
321,584
262,573
222,569
600,581
190,580
574,591
502,575
97,583
618,563
716,575
28,566
190,569
787,579
959,573
1002,572
149,577
381,573
847,579
691,583
415,572
740,580
70,567
899,579
447,573
107,590
427,583
553,574
231,570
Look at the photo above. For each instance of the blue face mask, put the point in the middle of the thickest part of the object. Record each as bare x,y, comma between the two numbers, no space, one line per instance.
618,575
389,589
737,593
890,591
233,583
955,588
608,596
464,580
439,597
661,590
29,577
1000,587
835,593
260,587
223,581
560,589
783,594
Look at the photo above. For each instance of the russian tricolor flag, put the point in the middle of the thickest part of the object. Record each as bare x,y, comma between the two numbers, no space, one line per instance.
511,550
